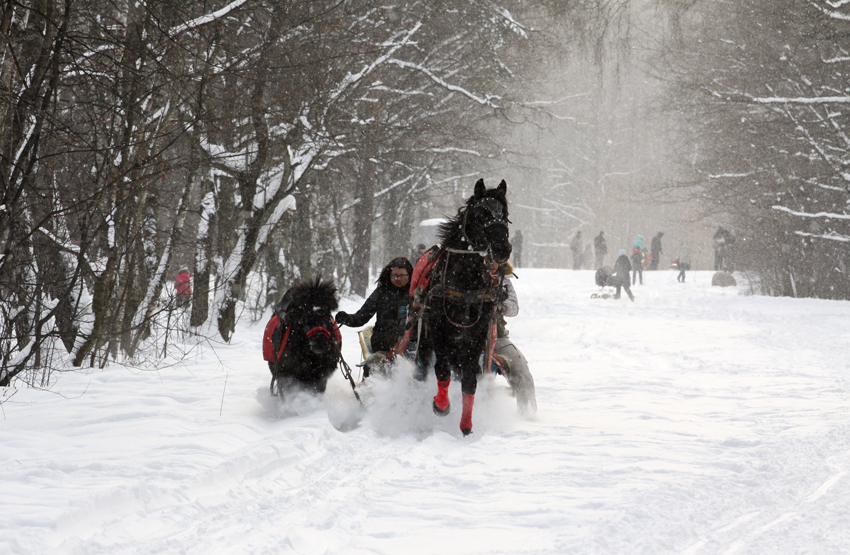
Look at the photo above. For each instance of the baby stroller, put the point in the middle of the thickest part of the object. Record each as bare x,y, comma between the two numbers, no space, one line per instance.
605,282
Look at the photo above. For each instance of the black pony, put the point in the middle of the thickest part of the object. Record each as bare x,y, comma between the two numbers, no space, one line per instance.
308,337
459,305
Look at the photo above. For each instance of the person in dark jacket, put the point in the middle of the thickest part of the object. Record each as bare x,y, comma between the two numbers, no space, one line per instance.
655,250
620,277
390,301
600,246
576,248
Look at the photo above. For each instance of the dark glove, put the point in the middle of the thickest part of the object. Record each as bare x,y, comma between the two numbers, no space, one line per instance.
341,318
500,296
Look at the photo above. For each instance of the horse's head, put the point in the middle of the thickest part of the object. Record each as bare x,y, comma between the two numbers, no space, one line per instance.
310,310
486,221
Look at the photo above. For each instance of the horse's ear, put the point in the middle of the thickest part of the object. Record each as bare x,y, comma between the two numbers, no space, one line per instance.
502,188
480,189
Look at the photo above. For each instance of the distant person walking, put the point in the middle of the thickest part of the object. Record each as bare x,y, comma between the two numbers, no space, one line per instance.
516,243
587,257
575,247
655,251
723,240
600,247
638,258
417,252
684,261
620,277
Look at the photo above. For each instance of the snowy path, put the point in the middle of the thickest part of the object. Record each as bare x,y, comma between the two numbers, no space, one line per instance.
695,420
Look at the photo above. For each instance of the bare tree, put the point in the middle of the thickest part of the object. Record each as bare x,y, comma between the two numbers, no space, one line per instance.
765,92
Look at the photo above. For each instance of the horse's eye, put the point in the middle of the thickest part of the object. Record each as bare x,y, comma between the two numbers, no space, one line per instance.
494,207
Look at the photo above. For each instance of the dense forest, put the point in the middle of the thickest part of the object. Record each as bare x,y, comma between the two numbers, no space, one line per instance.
256,142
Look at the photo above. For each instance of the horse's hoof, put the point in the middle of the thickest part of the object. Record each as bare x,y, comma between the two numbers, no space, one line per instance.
439,412
466,431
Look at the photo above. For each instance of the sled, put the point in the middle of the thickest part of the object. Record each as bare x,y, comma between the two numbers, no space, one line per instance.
371,362
365,338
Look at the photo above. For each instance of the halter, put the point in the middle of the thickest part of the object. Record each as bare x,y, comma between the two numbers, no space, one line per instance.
496,216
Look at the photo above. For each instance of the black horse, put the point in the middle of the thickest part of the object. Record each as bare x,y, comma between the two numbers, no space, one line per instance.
458,307
310,337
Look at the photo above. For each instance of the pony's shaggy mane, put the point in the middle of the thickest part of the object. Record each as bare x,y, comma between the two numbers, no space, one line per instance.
311,293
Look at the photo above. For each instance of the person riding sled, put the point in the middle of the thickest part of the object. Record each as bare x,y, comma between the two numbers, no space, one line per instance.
508,359
390,301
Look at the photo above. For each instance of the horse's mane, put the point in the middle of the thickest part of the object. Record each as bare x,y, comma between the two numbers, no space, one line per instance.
450,230
313,293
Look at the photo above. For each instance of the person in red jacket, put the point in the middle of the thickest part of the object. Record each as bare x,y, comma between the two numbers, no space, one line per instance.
183,287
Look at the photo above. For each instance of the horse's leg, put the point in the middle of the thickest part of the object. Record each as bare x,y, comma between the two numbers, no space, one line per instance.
469,383
423,358
467,362
443,372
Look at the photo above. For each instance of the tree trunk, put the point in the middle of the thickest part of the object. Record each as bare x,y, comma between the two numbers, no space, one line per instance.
364,213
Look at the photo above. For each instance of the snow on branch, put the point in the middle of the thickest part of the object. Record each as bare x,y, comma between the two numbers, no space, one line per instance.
448,149
803,100
352,79
831,236
830,215
512,23
727,175
286,204
204,19
833,13
454,88
394,185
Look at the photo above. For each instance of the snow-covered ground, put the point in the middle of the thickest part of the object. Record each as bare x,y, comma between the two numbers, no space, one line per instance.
695,420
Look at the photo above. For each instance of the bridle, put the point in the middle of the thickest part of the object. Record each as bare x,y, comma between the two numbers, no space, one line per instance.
495,211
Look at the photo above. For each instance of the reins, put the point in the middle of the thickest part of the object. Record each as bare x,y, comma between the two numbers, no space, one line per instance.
346,371
479,296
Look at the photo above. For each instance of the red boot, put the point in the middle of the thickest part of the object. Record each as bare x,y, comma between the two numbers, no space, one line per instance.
441,404
466,417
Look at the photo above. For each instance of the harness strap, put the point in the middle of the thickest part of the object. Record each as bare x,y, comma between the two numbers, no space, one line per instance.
284,340
318,330
491,343
461,251
470,296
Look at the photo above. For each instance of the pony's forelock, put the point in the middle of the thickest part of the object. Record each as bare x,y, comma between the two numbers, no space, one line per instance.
316,292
